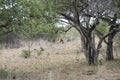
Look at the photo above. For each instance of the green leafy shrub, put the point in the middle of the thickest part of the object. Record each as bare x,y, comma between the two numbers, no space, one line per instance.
26,53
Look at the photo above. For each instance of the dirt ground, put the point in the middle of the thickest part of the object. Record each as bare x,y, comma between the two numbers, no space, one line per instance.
56,62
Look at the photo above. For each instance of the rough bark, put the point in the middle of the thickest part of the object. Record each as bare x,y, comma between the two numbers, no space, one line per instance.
109,51
113,27
89,52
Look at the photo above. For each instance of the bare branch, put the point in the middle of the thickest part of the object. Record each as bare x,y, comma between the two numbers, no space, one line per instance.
96,22
100,42
69,18
103,18
101,35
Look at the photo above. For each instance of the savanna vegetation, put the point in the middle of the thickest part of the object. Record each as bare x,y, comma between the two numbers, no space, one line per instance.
56,34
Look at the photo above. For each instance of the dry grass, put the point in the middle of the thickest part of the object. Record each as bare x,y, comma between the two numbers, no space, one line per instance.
56,62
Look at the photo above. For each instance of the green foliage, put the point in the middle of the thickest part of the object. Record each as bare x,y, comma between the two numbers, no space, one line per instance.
3,73
11,16
26,53
72,32
37,20
103,27
35,30
11,74
25,18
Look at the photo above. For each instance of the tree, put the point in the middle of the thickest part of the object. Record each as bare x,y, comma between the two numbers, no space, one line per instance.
84,16
72,11
111,19
11,16
23,18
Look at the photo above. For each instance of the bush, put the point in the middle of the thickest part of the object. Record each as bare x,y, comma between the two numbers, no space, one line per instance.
3,73
26,53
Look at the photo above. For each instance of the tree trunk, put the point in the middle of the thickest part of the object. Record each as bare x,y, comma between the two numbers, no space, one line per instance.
109,52
90,53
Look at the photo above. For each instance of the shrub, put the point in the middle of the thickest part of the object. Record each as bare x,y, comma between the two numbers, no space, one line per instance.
26,53
3,73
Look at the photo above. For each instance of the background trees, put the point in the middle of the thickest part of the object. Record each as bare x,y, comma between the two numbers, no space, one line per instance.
23,19
11,17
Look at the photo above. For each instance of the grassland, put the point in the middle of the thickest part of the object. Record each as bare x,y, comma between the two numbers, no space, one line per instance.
56,62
